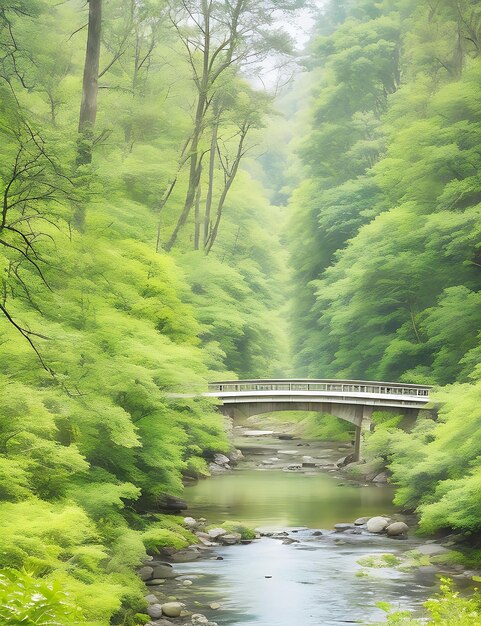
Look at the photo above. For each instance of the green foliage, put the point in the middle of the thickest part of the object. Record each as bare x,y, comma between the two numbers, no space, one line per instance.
448,608
385,236
167,532
27,600
390,153
379,560
103,333
311,425
239,527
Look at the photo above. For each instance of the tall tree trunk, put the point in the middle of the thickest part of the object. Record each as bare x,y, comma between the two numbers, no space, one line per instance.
197,218
201,109
170,189
194,175
210,189
229,179
88,107
220,208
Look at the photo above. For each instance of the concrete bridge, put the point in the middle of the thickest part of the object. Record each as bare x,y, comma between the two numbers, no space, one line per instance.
350,400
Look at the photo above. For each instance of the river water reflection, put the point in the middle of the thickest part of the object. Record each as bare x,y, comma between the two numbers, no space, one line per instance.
315,582
275,498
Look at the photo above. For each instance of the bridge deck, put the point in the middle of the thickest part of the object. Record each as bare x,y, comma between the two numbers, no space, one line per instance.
369,393
344,386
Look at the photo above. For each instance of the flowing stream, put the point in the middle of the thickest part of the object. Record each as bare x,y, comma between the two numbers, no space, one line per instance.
315,581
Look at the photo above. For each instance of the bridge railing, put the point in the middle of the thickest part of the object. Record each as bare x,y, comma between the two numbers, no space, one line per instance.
349,387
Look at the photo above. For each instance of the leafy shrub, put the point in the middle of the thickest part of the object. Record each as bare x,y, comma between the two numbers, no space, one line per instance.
447,608
29,601
239,527
165,533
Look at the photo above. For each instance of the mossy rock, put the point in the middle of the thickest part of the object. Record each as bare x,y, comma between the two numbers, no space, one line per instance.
379,560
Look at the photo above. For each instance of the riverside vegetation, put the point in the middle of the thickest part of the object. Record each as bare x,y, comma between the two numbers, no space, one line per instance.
142,246
99,321
391,161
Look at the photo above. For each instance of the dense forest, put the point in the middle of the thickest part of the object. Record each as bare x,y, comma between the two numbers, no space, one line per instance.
385,225
138,260
155,193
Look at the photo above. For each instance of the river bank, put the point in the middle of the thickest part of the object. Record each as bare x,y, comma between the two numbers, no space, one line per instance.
302,567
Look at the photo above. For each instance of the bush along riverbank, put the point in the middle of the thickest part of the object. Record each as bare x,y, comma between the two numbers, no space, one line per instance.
439,490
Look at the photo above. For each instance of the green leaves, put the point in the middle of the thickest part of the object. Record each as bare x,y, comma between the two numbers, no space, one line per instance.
27,601
392,264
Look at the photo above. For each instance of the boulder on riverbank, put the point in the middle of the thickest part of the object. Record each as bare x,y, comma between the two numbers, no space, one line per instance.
146,573
345,460
432,549
216,533
381,478
215,469
154,610
396,529
230,539
377,524
221,459
164,570
172,609
235,456
190,523
156,573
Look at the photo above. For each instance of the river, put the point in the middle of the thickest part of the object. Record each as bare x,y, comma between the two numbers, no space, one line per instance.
313,582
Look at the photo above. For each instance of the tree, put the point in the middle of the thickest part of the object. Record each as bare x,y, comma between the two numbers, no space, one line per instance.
88,106
221,40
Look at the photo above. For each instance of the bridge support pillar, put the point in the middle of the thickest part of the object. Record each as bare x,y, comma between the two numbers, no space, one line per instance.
357,444
365,425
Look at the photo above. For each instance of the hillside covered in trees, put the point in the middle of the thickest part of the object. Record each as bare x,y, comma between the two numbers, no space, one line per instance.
386,233
138,260
154,194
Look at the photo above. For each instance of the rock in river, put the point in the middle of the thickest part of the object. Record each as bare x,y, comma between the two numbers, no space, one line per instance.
432,549
221,459
172,609
146,573
377,524
190,522
381,478
397,528
154,610
153,582
235,456
215,533
216,469
230,539
201,620
164,571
